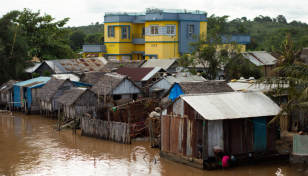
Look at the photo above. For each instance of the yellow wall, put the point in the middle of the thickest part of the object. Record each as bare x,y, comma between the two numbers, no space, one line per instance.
203,27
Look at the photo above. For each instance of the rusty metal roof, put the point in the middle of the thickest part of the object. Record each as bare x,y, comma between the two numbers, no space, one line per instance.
135,74
260,58
233,105
79,65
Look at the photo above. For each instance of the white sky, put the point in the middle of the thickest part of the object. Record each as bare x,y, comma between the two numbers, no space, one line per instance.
83,12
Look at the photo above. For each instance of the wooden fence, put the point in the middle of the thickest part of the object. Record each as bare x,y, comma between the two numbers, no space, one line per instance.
99,129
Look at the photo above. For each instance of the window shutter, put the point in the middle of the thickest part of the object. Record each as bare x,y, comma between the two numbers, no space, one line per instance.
108,31
112,31
187,31
147,31
128,32
163,30
122,32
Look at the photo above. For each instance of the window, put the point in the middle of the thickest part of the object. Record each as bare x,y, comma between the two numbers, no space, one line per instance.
154,30
125,32
110,31
143,31
191,31
170,30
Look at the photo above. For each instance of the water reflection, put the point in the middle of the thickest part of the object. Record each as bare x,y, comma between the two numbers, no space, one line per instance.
28,146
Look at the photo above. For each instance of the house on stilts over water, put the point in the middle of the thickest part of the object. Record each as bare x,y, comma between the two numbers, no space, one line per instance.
234,121
51,91
116,87
7,93
78,101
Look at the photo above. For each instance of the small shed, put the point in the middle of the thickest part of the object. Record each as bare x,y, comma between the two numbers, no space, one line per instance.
7,92
25,93
235,121
77,101
163,84
263,59
51,91
118,87
169,65
142,76
195,87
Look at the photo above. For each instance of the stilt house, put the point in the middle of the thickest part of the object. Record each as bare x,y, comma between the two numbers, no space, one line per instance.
77,101
117,87
25,93
51,91
235,121
7,92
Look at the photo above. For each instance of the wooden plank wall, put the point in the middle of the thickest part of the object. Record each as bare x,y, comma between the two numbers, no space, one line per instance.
99,129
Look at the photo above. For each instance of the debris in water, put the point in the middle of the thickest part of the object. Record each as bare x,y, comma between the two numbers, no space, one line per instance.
144,155
154,160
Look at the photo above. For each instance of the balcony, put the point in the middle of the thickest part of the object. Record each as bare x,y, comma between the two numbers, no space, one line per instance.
138,38
94,48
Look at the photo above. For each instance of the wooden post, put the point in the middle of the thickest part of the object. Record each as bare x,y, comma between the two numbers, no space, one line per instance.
246,136
73,125
108,124
59,117
129,128
150,129
203,140
40,108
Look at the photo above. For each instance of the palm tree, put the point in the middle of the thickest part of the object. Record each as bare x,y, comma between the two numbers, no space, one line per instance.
294,81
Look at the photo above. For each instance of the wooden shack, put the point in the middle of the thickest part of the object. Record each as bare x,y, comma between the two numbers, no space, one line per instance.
25,94
77,101
51,91
235,121
117,86
7,92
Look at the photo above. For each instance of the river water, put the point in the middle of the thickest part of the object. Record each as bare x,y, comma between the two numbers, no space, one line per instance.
28,146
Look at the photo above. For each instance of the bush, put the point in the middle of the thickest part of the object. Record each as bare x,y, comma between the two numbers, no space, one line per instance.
35,75
46,73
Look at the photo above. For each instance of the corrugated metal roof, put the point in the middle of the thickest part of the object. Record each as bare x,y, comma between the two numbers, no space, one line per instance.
178,79
33,82
32,69
260,58
251,87
151,74
72,77
232,105
163,63
135,74
82,65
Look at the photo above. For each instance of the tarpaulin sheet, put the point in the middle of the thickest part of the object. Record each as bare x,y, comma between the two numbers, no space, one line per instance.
300,144
175,92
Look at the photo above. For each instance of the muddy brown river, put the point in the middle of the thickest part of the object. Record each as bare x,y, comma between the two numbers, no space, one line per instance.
28,146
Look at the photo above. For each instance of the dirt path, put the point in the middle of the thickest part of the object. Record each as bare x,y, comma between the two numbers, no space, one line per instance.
285,144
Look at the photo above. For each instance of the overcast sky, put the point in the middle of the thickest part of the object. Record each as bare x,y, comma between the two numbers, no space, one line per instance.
83,12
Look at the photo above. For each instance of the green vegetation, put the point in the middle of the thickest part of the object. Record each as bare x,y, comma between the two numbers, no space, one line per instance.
35,75
90,29
26,34
293,81
215,55
76,39
94,38
46,73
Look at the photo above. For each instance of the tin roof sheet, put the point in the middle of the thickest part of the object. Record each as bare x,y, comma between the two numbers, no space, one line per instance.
81,65
152,73
172,79
251,86
33,68
163,63
260,58
33,82
135,74
72,77
233,105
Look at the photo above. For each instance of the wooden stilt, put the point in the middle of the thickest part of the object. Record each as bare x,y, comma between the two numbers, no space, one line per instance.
59,118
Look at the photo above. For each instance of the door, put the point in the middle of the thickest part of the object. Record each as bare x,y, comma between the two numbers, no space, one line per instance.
125,57
215,136
259,134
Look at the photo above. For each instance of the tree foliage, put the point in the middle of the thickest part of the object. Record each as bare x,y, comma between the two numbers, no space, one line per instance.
43,35
294,81
76,39
210,52
94,38
214,21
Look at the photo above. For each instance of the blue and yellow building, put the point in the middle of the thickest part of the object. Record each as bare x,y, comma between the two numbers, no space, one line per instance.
156,34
